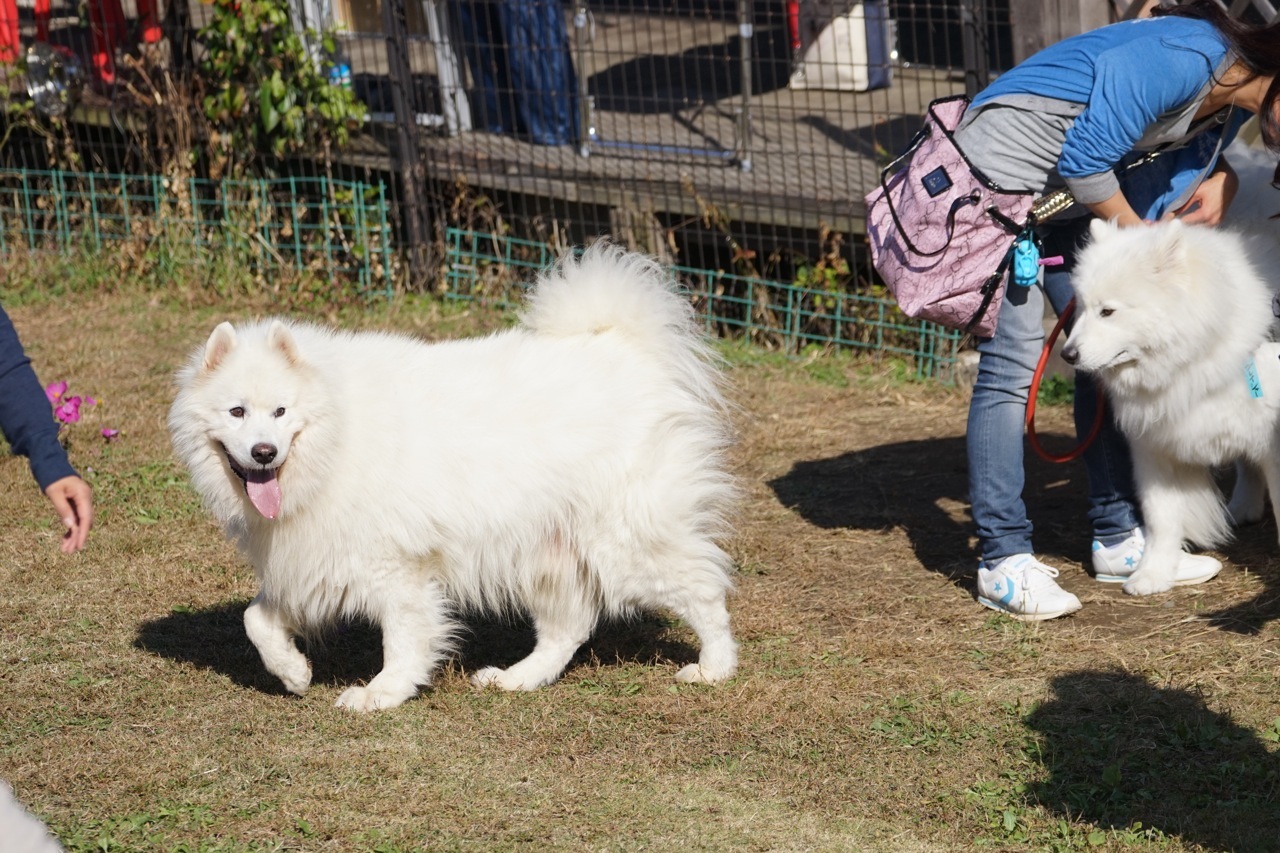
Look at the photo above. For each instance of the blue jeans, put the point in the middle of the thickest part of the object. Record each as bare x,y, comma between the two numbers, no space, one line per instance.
997,414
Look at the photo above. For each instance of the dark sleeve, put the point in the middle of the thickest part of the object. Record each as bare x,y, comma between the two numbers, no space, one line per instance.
26,418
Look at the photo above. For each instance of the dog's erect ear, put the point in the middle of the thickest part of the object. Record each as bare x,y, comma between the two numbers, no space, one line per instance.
221,342
279,338
1170,251
1100,228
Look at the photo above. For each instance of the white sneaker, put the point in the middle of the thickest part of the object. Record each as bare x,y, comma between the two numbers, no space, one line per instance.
1023,587
1114,564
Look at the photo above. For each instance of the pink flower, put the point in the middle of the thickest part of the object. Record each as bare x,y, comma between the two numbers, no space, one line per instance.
110,434
54,391
68,411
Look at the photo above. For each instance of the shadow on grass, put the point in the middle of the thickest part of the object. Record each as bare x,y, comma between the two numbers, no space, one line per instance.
1254,547
900,485
213,639
351,651
1119,751
1249,617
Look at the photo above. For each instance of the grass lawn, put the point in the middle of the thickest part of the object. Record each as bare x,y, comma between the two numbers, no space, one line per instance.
878,706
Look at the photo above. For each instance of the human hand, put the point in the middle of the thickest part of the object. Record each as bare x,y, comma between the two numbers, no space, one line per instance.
73,501
1208,204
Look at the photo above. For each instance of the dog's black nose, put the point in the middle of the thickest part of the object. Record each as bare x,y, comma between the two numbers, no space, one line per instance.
1070,354
263,453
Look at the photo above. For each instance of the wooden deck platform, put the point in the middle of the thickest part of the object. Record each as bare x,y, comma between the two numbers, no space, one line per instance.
668,131
672,134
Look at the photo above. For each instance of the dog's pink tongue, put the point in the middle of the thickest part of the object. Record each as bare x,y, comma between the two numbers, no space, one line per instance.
264,492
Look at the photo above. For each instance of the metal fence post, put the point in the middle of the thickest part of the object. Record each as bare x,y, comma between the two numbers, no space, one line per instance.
746,36
412,176
581,38
973,34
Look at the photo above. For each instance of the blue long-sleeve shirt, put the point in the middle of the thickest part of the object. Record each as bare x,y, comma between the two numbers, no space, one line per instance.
1126,87
26,418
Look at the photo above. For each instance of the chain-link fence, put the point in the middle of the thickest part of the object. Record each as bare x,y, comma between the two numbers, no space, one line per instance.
734,139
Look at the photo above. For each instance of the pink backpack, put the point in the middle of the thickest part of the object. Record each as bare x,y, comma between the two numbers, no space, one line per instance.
941,234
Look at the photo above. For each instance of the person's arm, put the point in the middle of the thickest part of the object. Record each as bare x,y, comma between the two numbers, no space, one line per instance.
1125,101
1115,208
26,419
1208,204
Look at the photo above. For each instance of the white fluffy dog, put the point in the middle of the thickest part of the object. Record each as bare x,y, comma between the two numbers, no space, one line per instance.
571,468
1175,320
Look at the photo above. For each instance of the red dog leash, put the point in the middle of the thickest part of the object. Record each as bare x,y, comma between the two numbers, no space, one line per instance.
1075,452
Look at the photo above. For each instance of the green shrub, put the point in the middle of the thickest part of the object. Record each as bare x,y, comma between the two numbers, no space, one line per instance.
265,93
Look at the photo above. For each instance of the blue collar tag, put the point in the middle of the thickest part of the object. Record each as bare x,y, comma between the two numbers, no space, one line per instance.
1251,377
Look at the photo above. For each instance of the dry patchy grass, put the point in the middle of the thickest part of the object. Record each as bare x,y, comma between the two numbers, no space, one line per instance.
878,706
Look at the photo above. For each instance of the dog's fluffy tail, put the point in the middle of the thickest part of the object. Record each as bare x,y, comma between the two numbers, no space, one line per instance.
1208,524
609,288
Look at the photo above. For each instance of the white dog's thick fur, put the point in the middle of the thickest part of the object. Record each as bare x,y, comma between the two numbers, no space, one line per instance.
571,468
1175,321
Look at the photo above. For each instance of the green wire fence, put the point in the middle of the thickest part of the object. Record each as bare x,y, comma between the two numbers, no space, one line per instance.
339,229
491,268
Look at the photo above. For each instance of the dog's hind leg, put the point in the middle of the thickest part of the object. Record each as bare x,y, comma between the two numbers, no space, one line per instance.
695,586
558,638
417,633
564,614
272,636
1271,470
1248,495
718,656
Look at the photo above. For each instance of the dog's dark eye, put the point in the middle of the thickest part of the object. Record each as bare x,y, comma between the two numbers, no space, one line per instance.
280,412
237,412
1106,312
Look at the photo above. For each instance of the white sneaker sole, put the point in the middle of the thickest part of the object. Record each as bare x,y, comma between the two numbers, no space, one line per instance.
1039,616
1207,573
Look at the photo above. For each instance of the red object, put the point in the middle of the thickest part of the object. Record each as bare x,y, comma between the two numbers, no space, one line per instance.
149,22
42,20
9,41
106,23
1035,389
793,24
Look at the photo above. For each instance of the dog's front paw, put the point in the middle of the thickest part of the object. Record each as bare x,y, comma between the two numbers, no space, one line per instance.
300,683
371,698
294,672
696,673
1147,582
507,679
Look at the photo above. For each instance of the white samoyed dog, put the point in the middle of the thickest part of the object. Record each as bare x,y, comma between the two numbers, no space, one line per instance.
572,468
1175,321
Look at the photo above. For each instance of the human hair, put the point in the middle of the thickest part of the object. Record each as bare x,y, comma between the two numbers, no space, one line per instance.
1256,46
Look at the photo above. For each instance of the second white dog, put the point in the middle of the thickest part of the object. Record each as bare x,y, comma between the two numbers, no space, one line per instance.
1175,320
